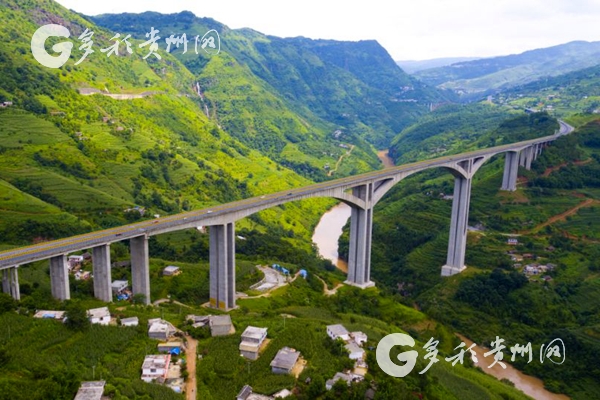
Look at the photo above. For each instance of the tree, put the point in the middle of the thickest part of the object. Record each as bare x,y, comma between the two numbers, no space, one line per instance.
7,303
139,298
77,318
316,387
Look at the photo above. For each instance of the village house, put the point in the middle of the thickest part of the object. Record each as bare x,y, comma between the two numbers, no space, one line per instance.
349,378
159,329
99,316
132,321
516,258
359,338
119,286
220,325
74,261
338,331
252,339
198,321
82,275
173,348
512,241
244,393
155,367
354,351
46,314
171,270
284,360
91,390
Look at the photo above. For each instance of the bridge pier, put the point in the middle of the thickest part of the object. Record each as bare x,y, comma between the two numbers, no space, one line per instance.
457,243
59,278
102,272
511,169
361,224
140,267
222,266
10,282
529,152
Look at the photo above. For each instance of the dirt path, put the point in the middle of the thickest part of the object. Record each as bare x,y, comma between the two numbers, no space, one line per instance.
326,290
550,170
159,301
190,357
339,161
562,216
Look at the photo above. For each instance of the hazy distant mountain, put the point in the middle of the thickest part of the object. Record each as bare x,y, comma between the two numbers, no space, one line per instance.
412,66
508,71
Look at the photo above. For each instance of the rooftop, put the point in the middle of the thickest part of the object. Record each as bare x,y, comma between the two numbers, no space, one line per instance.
171,268
337,329
245,392
220,320
49,314
119,283
286,358
158,327
352,347
91,390
156,361
252,332
98,312
130,320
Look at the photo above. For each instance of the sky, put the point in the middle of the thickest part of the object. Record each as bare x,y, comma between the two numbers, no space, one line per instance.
409,30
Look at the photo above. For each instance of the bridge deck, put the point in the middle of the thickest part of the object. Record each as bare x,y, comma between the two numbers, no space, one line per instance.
213,215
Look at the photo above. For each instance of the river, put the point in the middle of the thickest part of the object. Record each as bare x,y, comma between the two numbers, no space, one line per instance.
328,232
384,156
528,384
326,236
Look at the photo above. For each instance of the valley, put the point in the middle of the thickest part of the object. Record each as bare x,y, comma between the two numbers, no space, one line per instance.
173,191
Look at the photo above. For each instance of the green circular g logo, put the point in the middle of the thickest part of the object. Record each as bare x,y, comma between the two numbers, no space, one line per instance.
383,355
38,41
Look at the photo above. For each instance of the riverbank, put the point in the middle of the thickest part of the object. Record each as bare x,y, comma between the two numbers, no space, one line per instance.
528,384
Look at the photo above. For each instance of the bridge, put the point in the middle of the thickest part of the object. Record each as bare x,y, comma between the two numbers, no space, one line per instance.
361,192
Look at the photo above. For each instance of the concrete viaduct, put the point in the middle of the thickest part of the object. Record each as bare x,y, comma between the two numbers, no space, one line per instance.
361,192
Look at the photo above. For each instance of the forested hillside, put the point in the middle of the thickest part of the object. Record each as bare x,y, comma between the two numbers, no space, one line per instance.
356,86
553,214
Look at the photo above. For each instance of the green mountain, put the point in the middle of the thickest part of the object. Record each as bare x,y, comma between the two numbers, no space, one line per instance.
574,92
355,86
412,66
73,162
492,74
553,212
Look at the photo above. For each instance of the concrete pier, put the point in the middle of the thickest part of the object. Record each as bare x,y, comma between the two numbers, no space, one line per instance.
10,282
6,281
511,169
457,243
59,278
361,223
529,154
140,267
222,266
102,272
